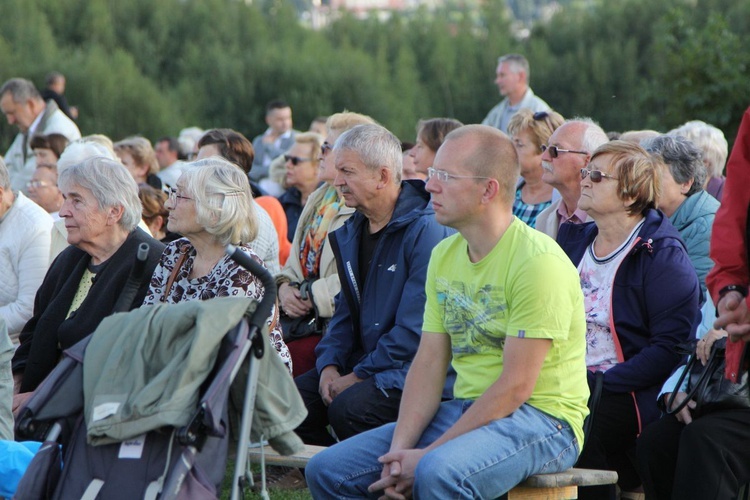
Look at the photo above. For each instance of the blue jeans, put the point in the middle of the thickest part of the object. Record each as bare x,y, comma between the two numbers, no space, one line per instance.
484,463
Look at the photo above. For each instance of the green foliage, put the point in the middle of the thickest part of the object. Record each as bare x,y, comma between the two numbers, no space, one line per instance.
152,67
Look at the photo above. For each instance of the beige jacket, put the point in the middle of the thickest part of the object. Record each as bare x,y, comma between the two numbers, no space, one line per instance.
327,286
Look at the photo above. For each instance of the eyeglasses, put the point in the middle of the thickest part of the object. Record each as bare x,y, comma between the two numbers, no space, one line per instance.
296,160
595,175
36,184
540,115
174,197
554,151
325,148
444,176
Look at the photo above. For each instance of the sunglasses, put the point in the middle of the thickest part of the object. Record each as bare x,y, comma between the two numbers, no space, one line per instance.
325,148
296,160
554,151
540,115
595,175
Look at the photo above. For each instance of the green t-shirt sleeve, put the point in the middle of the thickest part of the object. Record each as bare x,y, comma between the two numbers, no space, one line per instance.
433,317
542,298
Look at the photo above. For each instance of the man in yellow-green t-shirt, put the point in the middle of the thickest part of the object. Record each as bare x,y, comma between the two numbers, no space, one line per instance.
504,305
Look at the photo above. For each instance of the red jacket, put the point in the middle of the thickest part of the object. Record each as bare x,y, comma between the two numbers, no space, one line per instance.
729,248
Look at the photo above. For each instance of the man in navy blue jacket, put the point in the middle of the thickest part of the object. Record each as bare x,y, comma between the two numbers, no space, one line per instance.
382,254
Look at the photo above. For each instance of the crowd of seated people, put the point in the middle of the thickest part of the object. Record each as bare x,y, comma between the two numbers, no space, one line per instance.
416,307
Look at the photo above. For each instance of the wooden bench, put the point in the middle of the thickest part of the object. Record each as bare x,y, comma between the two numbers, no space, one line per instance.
560,486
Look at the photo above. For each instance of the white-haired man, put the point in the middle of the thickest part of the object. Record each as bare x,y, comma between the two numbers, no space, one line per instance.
568,151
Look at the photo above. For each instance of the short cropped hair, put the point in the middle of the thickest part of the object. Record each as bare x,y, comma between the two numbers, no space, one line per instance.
172,143
232,145
141,150
540,125
4,175
52,78
432,132
710,140
684,159
494,157
111,185
276,104
637,174
593,137
54,142
517,63
223,201
376,146
340,122
21,89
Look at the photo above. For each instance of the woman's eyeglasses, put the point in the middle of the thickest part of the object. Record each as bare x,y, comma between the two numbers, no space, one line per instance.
595,175
296,160
554,151
325,148
174,196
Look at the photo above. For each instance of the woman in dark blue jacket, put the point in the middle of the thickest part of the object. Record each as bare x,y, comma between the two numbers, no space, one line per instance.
642,300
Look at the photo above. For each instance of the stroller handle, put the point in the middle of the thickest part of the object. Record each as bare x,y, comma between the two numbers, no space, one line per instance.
263,311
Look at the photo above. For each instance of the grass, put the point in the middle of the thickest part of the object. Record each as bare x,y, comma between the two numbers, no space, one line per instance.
275,494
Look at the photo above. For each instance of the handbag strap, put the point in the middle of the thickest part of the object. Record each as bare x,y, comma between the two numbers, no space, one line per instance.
702,380
173,276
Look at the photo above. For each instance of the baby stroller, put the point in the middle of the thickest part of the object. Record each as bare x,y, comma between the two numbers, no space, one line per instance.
164,461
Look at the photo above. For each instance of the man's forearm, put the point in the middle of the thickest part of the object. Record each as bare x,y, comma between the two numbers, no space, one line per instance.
423,390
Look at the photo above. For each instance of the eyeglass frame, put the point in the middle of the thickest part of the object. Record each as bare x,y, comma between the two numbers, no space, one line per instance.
596,176
554,151
173,197
296,160
444,176
325,148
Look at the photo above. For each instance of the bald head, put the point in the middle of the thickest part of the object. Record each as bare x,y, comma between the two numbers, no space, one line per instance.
487,152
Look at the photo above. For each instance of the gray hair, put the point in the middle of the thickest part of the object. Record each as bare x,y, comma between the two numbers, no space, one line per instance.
82,149
684,159
376,147
516,63
593,137
21,89
111,185
223,200
710,140
4,175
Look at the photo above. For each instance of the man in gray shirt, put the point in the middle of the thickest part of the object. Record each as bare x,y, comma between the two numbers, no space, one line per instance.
513,82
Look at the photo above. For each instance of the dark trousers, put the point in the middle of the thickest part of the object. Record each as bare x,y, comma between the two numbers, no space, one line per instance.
707,459
359,408
611,445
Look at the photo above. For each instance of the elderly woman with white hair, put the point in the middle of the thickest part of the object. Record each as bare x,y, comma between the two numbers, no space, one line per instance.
85,282
712,143
211,207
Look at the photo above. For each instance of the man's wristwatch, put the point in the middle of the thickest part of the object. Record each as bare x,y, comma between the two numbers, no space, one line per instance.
741,289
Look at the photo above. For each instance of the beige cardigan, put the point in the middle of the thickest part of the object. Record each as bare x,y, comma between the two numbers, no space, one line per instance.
327,286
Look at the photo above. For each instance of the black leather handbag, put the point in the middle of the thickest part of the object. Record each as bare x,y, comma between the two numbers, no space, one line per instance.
708,386
304,326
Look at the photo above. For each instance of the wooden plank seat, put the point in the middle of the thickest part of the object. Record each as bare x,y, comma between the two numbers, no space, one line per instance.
559,486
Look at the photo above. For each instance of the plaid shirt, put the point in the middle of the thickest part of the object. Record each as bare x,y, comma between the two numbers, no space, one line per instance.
525,212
